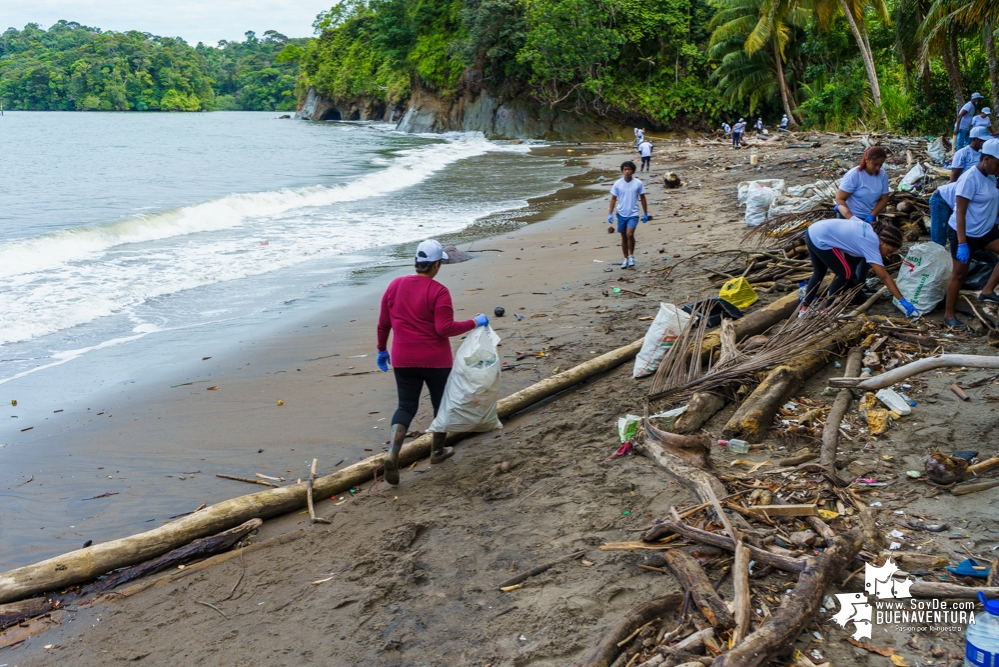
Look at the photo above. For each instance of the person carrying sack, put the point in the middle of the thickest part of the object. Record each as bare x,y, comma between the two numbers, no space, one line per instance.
419,310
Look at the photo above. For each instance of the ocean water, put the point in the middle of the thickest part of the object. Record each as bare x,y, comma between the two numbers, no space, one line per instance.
116,228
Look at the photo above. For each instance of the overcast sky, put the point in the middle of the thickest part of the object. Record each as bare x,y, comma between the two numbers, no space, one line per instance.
207,21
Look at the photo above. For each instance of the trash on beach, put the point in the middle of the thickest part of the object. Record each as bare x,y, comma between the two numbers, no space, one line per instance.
627,427
280,402
894,402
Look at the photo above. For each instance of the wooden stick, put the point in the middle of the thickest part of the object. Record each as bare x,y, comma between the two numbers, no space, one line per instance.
632,291
606,651
822,528
722,516
780,562
512,581
915,368
693,579
15,612
741,600
971,487
984,466
247,479
785,510
797,608
308,495
841,404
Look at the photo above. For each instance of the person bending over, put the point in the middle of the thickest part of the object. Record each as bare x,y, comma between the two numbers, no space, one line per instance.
970,154
626,192
942,204
972,227
847,248
418,309
863,192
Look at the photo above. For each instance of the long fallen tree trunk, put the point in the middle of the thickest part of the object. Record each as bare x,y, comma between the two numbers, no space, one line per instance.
915,368
796,609
88,564
756,414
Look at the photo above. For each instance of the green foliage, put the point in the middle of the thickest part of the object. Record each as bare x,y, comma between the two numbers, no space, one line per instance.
74,67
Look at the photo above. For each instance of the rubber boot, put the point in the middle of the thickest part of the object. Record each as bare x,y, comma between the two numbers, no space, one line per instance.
438,452
392,460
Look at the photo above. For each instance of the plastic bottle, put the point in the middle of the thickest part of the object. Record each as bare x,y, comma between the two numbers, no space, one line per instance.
736,446
802,290
981,639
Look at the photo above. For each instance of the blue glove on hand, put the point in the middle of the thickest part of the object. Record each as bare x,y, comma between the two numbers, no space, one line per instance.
963,253
383,361
909,308
645,217
610,218
481,320
869,218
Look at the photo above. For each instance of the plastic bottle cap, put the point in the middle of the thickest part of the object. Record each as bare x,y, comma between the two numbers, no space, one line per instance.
991,606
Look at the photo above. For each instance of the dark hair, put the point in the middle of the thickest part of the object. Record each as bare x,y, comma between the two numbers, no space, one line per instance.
872,153
888,234
629,163
425,267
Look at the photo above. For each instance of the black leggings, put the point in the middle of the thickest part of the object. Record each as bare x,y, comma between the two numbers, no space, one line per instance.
850,271
409,382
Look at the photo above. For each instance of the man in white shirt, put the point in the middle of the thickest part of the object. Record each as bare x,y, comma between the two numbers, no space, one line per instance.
639,135
970,154
963,125
783,125
645,150
626,192
727,129
983,120
737,131
759,126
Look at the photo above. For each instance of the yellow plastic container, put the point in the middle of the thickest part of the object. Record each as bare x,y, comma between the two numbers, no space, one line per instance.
739,293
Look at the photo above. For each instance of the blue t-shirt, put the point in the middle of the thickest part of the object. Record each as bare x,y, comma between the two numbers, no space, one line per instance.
627,193
983,203
854,237
966,157
966,119
865,190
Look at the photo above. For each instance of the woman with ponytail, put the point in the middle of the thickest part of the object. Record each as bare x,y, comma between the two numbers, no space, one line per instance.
847,247
863,192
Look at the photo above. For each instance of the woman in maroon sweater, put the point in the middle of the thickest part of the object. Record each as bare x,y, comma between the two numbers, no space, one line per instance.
419,310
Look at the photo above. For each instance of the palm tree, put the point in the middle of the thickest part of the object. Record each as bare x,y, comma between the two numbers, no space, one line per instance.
853,11
750,38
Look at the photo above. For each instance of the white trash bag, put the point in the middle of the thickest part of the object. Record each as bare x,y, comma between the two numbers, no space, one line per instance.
937,150
758,201
912,177
923,276
660,337
742,190
473,388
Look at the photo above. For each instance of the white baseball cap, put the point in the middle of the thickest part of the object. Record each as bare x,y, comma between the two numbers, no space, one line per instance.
991,147
741,119
986,111
430,250
976,96
980,132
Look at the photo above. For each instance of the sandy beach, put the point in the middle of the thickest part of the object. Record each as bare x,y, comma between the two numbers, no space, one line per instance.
408,575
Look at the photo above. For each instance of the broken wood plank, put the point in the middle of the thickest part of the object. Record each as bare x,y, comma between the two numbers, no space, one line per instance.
16,612
741,601
785,510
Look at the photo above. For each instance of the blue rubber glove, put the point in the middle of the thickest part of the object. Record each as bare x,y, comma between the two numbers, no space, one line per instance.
963,253
869,218
645,217
610,218
481,320
909,308
383,361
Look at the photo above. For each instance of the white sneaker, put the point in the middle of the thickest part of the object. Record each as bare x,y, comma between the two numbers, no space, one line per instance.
631,261
624,264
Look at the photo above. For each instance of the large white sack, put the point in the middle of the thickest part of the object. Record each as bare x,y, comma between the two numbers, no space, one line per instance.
660,337
743,187
923,276
937,150
758,201
473,388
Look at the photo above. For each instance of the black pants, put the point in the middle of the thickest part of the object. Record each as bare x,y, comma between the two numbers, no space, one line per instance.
736,138
850,271
409,382
646,163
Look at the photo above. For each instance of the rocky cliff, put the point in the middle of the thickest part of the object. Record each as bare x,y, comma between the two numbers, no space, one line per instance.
473,112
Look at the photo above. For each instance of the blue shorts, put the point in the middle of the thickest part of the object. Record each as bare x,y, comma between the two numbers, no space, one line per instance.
626,223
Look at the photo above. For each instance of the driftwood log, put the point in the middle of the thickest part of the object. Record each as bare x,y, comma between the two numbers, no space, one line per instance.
692,450
308,495
198,549
797,608
741,599
691,576
753,323
874,540
915,368
756,414
607,650
15,612
669,526
840,406
702,406
85,565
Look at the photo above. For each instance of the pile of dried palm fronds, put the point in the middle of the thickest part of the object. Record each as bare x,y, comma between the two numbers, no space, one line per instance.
784,229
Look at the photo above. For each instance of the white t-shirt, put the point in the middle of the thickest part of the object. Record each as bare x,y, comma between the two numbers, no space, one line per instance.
645,149
948,192
854,237
759,124
739,127
783,122
627,193
966,157
640,134
966,120
726,127
865,190
983,203
978,121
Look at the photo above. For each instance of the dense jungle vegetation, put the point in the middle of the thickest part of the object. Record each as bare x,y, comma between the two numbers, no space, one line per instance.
74,67
905,65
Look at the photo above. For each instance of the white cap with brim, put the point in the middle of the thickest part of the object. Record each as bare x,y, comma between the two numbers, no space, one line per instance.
430,251
741,120
980,132
976,96
991,147
986,111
